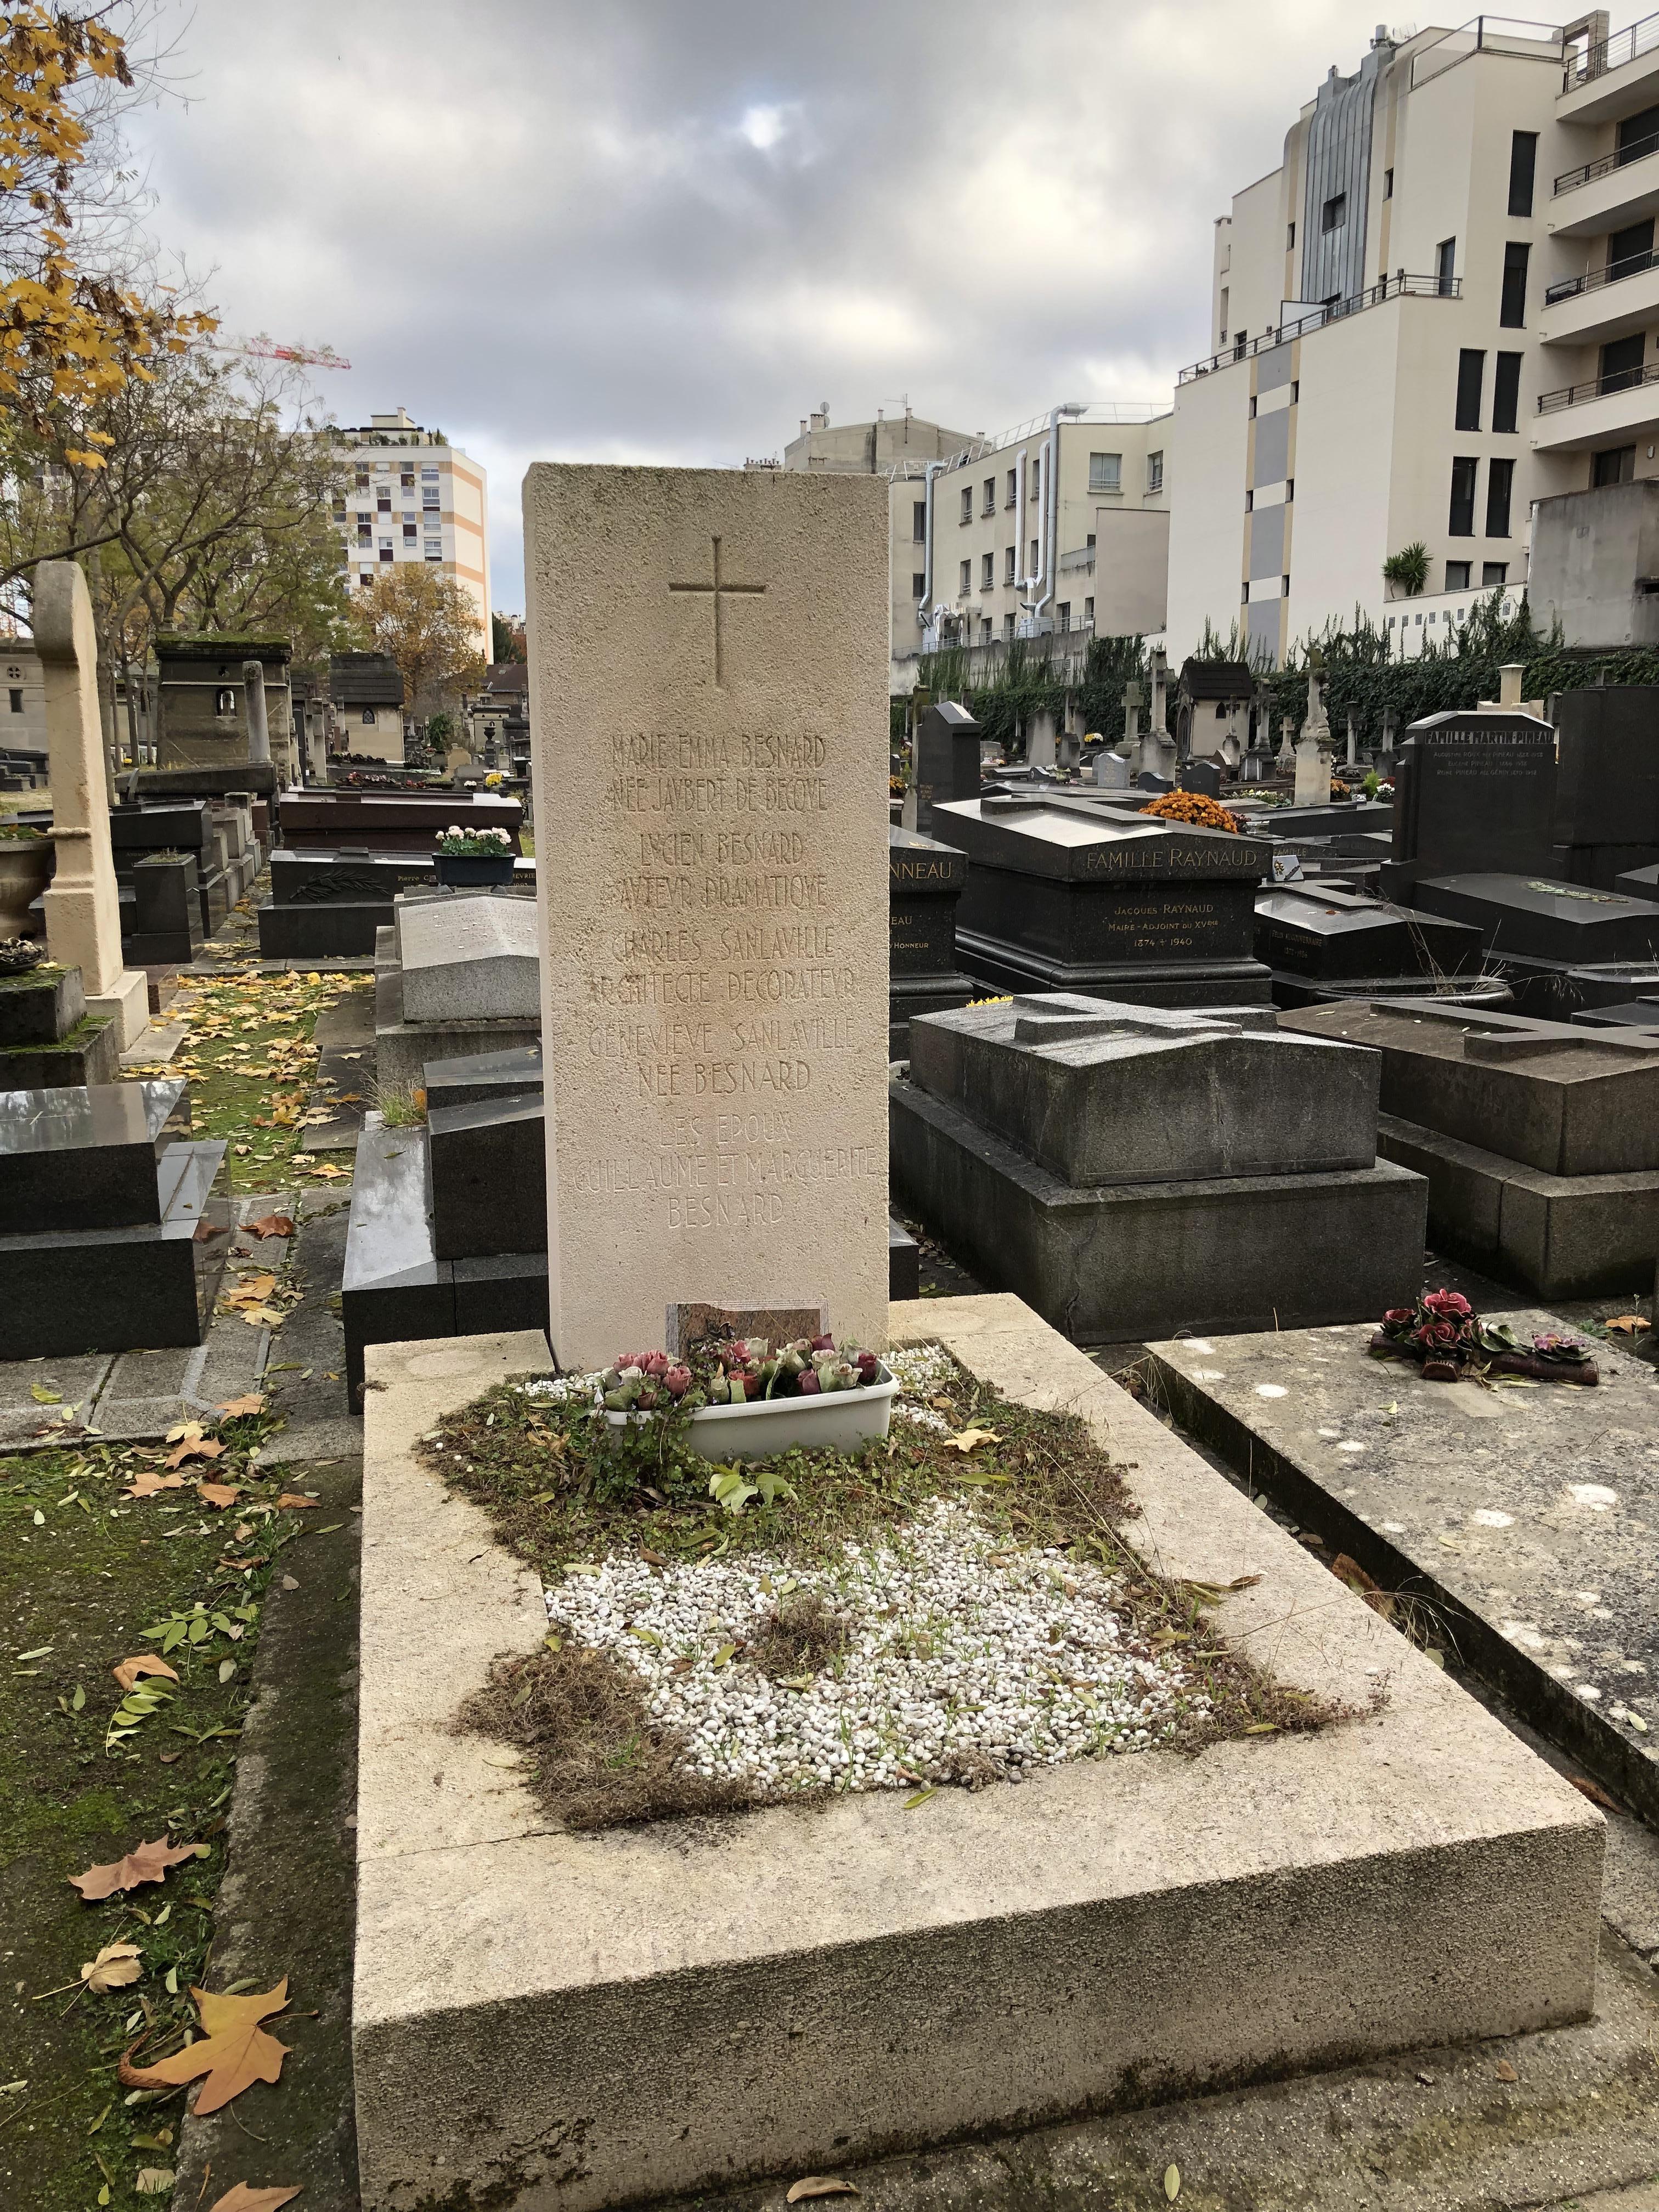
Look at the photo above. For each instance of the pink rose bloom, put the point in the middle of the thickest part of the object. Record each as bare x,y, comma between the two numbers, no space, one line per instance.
677,1382
808,1384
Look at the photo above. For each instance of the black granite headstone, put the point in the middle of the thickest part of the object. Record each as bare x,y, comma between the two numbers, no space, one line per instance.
1202,777
946,759
489,1177
1474,792
1606,799
925,880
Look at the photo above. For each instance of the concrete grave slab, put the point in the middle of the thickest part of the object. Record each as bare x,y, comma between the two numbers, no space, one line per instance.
469,958
688,2006
1529,1519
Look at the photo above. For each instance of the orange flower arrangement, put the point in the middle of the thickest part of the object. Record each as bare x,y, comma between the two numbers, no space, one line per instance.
1192,807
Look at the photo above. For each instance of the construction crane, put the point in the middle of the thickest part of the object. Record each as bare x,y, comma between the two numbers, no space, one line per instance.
268,349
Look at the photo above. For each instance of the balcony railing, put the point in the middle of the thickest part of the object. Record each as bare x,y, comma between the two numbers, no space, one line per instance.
1334,311
1640,38
1606,165
1634,264
1599,387
1486,34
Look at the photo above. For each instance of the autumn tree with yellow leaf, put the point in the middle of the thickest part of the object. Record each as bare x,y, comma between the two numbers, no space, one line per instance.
428,623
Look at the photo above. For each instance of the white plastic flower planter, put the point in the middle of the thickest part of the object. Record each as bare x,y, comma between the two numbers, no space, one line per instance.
840,1420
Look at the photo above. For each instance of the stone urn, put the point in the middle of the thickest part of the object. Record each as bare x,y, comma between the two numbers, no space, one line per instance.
25,872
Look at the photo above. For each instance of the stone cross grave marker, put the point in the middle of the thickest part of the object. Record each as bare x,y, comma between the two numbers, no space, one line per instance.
83,908
714,920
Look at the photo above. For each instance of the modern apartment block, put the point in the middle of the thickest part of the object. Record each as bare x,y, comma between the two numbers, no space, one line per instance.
1442,306
892,446
415,497
1060,525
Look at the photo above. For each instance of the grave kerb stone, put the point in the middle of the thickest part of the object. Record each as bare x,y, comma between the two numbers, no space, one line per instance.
468,959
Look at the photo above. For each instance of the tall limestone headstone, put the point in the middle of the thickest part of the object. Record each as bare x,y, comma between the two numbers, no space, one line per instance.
81,904
708,664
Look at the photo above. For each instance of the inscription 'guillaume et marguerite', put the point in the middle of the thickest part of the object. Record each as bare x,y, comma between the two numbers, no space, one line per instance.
714,755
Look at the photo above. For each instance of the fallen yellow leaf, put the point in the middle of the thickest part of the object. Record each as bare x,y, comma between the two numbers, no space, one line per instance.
967,1440
116,1965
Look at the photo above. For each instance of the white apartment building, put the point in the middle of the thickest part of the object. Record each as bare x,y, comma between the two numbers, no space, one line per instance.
415,497
1062,524
1442,305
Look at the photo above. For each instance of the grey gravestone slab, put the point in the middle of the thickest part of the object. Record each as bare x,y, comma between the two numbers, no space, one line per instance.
87,1157
469,959
1076,894
1126,1261
1330,933
1534,919
1110,772
1527,1520
134,830
403,1048
1639,883
1099,1093
488,1166
1475,791
25,1424
1149,779
482,1076
149,1283
1202,777
1566,1101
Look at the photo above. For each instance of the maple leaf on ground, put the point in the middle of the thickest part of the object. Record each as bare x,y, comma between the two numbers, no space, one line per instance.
219,1493
116,1965
1627,1324
149,1862
292,1500
147,1482
270,1225
253,1403
233,2049
967,1440
262,1316
244,2199
195,1447
130,1669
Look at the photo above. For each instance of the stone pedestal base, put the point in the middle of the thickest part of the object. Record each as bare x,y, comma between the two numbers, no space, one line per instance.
127,1003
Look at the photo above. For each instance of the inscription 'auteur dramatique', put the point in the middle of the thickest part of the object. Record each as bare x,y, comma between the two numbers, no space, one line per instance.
728,976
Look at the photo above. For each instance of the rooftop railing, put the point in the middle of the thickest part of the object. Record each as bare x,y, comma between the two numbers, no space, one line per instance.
1399,287
1570,288
1638,38
1606,164
1599,387
1486,35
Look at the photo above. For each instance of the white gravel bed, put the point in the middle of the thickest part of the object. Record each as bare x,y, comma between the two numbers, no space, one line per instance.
962,1659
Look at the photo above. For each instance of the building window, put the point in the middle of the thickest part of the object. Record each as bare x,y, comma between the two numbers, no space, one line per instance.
1013,487
1249,502
1616,467
1513,309
1088,614
1289,237
1494,574
1253,407
1008,628
967,576
1036,479
989,502
1295,390
1388,183
406,479
987,570
1154,471
1106,472
985,629
1461,522
1010,560
1065,611
382,502
1445,260
967,503
1500,476
362,479
339,510
1523,161
1284,587
918,584
368,718
1032,570
1222,317
16,699
918,522
1090,541
429,474
429,498
1245,595
1457,577
1506,391
1471,372
365,534
1290,490
386,552
434,552
1334,212
409,533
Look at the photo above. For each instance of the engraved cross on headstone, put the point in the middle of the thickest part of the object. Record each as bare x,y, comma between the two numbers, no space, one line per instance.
720,590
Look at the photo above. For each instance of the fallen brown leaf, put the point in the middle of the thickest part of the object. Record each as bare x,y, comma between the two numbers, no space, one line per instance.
244,2199
967,1440
219,1493
1627,1324
292,1499
1506,2072
130,1669
820,2184
116,1965
253,1403
195,1447
270,1225
233,2050
149,1862
1595,1792
147,1482
1351,1572
251,1291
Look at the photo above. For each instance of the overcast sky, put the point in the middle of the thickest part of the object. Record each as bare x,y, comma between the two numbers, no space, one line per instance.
662,230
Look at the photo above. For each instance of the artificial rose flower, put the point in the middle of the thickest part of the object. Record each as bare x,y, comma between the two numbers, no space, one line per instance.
1447,1305
677,1382
1398,1314
808,1384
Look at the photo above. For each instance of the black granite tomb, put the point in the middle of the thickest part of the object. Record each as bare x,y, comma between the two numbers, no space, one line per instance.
1067,894
328,903
1473,791
166,912
487,1171
925,880
1325,941
482,1078
1535,929
1202,777
1606,798
117,1227
946,759
47,1038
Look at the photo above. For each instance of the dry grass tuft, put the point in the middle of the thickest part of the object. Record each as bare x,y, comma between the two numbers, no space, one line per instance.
801,1638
